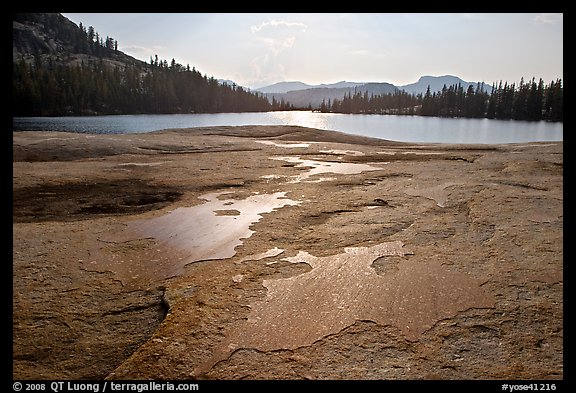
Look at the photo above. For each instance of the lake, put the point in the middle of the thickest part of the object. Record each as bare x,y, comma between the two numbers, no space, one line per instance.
397,128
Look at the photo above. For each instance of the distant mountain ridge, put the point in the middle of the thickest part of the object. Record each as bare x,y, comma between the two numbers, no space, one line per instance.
303,95
285,87
314,96
436,84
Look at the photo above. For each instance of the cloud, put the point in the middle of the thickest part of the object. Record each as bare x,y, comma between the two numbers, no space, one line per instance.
277,37
278,34
278,23
265,71
548,18
277,45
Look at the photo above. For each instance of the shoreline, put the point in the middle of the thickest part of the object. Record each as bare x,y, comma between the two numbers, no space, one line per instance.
93,301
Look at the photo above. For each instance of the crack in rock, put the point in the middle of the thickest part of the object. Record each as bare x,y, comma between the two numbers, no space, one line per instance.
344,288
437,193
267,254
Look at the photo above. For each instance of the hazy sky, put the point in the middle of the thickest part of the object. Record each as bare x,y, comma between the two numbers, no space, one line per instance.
259,49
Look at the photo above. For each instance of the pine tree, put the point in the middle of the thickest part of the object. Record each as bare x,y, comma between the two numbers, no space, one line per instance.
427,103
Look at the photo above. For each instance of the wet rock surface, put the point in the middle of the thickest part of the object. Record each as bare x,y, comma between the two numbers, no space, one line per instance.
424,261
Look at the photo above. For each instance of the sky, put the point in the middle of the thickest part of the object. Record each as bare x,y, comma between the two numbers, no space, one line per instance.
259,49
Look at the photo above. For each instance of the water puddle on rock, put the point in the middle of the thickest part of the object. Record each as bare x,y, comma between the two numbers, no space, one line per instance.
138,164
344,288
343,152
321,167
285,145
208,231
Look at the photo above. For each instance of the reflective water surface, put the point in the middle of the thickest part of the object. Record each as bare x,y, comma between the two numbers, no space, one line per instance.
397,128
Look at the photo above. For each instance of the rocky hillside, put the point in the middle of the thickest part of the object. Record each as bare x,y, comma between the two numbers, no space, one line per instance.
53,37
61,69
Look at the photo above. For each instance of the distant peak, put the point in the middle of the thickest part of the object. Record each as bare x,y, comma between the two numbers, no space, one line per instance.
438,77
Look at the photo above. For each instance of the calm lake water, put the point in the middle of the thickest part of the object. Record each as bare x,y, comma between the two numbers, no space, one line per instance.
397,128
